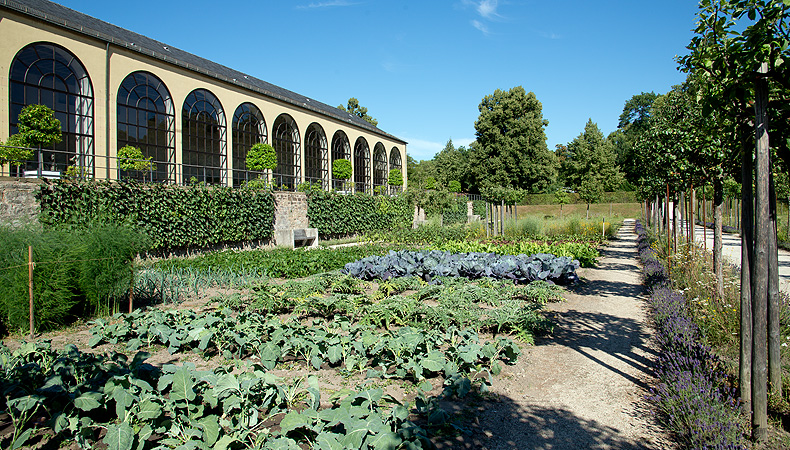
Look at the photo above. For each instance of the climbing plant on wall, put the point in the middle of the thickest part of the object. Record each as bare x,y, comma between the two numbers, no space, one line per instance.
173,216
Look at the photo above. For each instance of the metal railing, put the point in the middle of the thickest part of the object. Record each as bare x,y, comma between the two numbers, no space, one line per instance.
59,164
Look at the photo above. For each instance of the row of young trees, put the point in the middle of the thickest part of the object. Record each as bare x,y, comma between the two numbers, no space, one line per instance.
717,125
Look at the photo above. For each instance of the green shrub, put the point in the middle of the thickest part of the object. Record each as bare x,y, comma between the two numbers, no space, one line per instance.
76,272
457,213
395,177
342,169
174,216
261,157
335,214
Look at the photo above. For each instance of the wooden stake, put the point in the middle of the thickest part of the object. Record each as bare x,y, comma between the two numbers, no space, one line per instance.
30,286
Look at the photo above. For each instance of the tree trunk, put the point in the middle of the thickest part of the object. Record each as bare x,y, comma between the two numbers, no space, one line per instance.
718,264
676,221
588,211
747,252
760,274
774,330
692,216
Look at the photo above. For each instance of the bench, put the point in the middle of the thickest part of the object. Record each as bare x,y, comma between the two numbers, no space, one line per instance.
296,237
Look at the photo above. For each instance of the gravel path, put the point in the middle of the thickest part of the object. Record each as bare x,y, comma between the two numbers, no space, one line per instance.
585,386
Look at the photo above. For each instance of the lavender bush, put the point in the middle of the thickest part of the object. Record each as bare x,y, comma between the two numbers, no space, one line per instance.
694,395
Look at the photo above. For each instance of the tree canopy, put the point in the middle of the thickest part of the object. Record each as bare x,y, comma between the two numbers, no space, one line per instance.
510,149
353,107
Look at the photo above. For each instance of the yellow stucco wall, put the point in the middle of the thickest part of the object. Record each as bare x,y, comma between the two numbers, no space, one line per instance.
17,31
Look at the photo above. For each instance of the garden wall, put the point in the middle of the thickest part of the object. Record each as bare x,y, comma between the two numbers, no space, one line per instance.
18,205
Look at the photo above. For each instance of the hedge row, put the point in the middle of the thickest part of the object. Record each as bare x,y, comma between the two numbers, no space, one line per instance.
335,214
458,213
173,216
608,197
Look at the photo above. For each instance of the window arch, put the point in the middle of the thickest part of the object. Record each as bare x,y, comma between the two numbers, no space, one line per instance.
379,166
341,149
395,163
315,155
204,143
146,120
47,74
288,145
249,128
361,165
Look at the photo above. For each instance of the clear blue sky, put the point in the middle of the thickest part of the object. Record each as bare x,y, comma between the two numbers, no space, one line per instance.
422,67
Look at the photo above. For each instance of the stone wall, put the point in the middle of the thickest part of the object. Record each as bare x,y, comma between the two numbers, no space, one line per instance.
18,205
290,210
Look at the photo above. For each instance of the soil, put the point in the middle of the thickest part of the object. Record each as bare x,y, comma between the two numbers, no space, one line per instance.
584,387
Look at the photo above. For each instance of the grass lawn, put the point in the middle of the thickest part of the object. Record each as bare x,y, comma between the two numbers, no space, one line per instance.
607,210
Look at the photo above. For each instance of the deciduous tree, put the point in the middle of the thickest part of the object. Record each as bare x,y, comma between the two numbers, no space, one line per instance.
510,148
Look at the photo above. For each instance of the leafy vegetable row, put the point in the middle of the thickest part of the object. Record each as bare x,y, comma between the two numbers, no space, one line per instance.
586,252
405,353
429,264
74,396
498,306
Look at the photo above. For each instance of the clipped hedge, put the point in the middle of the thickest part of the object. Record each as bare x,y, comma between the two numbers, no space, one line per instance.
335,214
608,197
173,216
457,213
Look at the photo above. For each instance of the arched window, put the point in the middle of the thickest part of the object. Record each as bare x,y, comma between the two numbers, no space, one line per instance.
341,149
361,165
48,74
204,143
379,166
146,120
316,159
395,163
287,144
249,128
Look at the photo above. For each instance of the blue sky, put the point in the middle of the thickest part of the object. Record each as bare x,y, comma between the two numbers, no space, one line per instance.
422,67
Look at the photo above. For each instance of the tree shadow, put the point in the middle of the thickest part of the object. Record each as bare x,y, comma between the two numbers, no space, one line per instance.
505,424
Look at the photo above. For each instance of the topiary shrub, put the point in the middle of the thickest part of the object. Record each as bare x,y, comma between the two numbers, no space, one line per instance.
395,178
342,169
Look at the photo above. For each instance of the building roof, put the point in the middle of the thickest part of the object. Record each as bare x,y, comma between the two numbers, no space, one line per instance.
62,16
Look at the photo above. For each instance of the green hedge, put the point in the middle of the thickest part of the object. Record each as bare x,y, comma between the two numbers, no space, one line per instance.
77,273
337,215
608,197
173,216
479,208
456,214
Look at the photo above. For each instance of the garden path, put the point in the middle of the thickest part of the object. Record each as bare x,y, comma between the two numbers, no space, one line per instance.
584,387
731,250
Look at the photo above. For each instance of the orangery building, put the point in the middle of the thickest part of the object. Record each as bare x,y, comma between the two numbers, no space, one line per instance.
195,119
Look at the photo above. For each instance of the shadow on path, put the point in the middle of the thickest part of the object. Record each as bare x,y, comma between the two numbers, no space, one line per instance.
535,427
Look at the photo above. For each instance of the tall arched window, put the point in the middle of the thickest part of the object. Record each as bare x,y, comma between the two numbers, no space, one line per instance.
249,128
361,165
395,163
288,145
146,120
204,143
341,149
379,166
315,155
47,74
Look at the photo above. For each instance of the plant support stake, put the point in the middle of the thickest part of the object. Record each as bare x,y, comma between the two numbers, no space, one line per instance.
30,285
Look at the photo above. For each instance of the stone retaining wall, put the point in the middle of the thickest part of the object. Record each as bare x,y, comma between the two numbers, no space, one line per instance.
18,205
